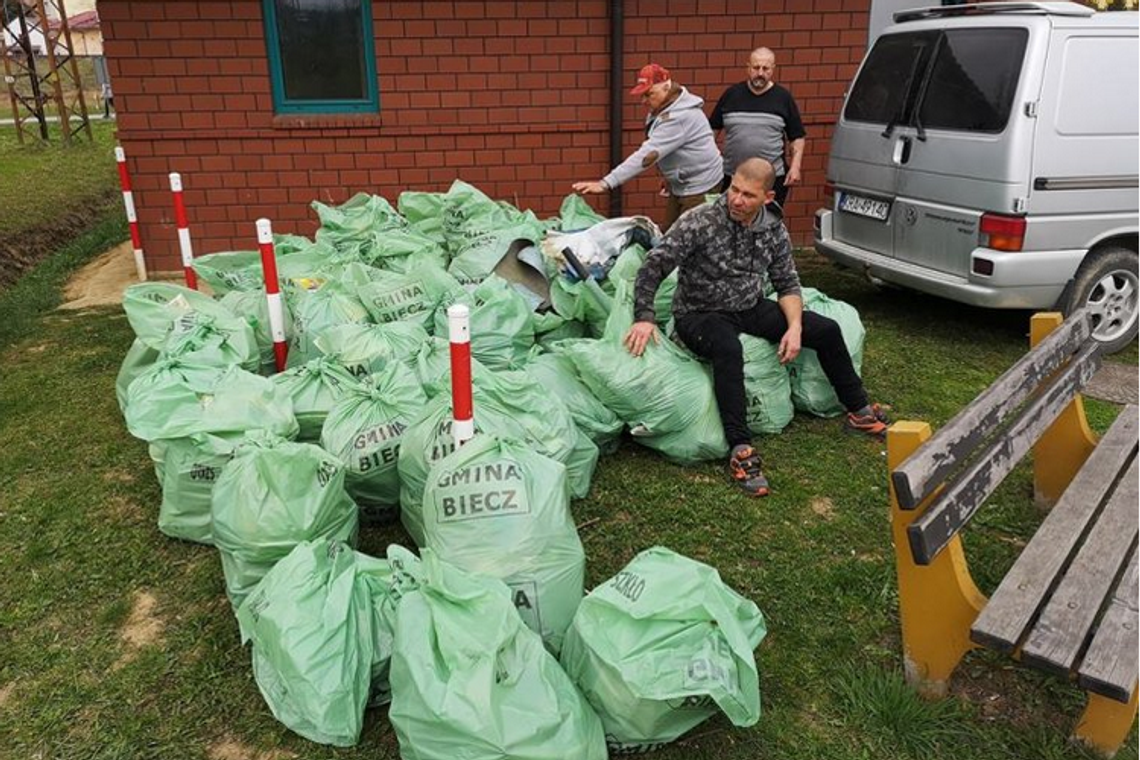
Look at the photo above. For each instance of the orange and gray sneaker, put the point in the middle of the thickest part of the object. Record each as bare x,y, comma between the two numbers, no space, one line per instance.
744,470
870,420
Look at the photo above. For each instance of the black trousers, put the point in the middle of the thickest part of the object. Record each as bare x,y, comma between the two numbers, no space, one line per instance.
780,188
715,336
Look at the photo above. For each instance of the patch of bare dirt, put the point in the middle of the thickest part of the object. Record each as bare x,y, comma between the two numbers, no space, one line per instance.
824,508
102,281
142,629
231,749
6,692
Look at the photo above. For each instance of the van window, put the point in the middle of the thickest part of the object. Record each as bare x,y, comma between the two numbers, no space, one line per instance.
1111,64
888,82
973,80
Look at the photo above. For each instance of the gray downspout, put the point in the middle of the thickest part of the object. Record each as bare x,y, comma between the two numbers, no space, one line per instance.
617,56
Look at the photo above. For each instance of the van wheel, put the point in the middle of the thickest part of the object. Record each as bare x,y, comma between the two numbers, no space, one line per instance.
1107,284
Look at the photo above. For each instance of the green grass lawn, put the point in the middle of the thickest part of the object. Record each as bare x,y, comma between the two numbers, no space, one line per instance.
39,181
118,642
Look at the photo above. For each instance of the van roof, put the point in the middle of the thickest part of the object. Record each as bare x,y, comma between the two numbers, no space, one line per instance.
988,9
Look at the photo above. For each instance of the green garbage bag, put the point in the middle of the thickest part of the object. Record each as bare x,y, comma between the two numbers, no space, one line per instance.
479,231
313,266
661,647
577,214
175,398
203,339
767,387
364,349
398,249
424,212
502,323
498,508
509,407
551,327
253,307
273,495
664,395
556,373
190,467
411,296
626,268
315,311
546,420
471,681
352,225
287,243
364,430
811,390
228,271
139,357
433,366
155,308
313,388
312,626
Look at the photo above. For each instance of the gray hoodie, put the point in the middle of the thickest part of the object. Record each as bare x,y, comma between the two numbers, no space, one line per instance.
685,146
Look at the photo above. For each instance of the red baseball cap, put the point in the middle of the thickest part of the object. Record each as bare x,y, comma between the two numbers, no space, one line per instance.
648,76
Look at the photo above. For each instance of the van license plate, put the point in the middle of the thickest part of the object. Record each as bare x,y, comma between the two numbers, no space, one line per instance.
860,206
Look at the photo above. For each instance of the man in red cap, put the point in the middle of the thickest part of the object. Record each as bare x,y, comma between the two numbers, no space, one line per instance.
679,142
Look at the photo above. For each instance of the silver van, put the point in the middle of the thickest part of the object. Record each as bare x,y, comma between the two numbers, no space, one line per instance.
989,154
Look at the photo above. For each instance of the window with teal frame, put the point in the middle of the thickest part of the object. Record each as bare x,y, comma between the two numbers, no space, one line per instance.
321,56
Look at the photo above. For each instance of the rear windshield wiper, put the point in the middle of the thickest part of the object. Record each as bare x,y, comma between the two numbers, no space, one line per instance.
902,106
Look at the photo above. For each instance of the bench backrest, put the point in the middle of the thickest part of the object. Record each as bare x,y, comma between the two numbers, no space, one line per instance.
970,456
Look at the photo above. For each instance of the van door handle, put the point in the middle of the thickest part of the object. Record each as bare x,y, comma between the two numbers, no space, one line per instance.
902,150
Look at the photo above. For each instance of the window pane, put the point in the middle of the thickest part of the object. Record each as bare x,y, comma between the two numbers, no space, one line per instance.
974,78
888,81
322,49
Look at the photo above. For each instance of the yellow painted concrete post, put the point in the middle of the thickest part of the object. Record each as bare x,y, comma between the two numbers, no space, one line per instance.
938,602
1105,723
1064,447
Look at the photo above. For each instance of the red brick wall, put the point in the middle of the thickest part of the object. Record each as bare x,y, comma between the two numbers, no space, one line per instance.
509,96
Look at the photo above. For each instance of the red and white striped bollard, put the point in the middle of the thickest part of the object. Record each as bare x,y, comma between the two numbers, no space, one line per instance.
462,407
132,218
272,292
183,231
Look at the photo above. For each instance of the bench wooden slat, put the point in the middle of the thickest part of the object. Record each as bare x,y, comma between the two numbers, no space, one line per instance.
1059,634
954,507
1109,667
1022,592
922,472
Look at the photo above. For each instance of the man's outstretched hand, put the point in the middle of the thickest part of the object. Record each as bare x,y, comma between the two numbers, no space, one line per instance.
590,188
638,337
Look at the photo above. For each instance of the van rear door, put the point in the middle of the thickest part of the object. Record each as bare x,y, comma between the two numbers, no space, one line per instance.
969,146
864,160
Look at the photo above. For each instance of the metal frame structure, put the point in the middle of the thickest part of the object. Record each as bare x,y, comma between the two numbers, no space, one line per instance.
29,87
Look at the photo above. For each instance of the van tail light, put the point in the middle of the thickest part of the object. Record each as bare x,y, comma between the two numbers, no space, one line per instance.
1002,233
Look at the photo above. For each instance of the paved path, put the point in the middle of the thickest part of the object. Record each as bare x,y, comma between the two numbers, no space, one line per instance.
1115,382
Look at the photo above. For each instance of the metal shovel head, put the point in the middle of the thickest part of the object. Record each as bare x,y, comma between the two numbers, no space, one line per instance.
522,266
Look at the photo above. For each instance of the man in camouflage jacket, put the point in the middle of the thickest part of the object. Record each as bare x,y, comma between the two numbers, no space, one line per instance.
723,252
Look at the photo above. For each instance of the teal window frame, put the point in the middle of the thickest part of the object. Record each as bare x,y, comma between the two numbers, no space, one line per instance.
284,105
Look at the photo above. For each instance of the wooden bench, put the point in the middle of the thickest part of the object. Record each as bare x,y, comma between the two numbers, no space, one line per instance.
1069,603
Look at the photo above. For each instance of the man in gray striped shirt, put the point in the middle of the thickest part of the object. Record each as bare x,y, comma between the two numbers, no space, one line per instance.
758,116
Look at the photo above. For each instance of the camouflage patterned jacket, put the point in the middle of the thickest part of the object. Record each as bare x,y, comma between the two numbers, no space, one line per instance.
722,263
